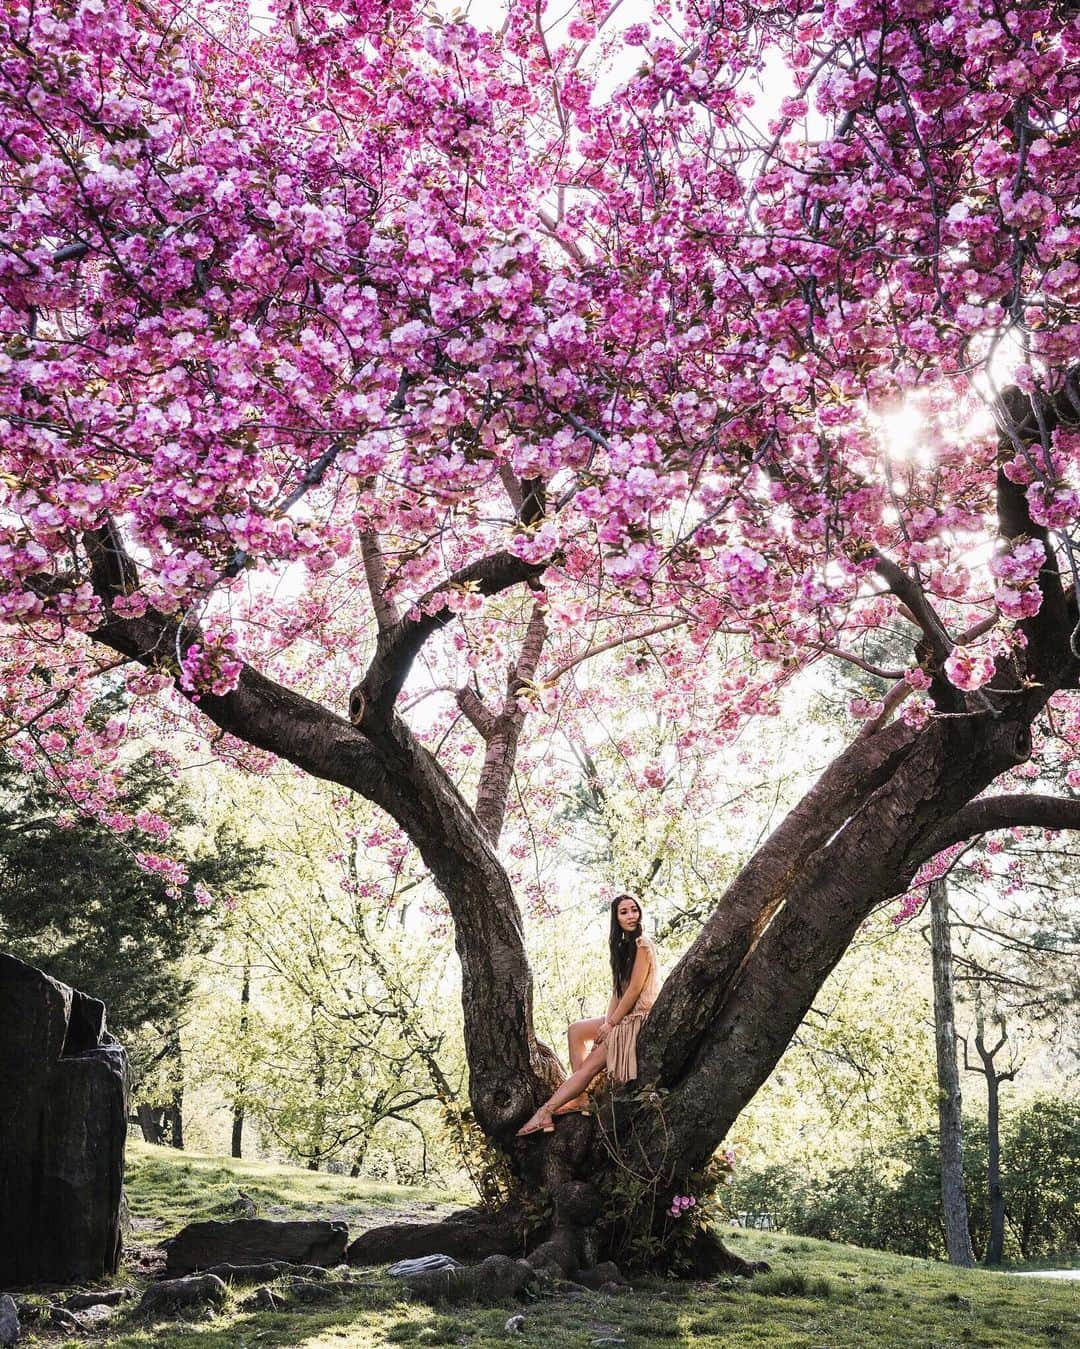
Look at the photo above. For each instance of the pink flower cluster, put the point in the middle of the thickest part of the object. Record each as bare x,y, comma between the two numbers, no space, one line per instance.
681,1204
1017,571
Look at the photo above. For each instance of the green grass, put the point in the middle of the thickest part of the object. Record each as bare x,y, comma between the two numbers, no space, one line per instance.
819,1295
169,1189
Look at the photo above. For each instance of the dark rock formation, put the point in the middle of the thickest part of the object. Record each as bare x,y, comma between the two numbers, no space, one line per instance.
63,1123
251,1241
266,1272
79,1302
10,1330
468,1234
174,1295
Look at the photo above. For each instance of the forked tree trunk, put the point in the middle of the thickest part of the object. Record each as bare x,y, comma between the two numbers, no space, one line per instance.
950,1119
892,800
993,1076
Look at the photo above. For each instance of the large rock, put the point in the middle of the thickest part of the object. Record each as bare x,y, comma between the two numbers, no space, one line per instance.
467,1234
63,1123
10,1330
496,1279
175,1295
250,1241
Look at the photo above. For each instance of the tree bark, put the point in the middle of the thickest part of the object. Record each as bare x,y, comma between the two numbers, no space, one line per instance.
995,1246
149,1118
241,1084
950,1121
175,1110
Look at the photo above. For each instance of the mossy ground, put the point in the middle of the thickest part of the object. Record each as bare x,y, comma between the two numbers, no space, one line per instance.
819,1294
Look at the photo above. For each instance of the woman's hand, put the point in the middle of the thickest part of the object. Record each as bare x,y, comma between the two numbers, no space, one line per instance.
602,1033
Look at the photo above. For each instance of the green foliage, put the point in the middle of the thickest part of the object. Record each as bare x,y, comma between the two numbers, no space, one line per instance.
893,1201
486,1165
344,1052
75,901
654,1219
1042,1177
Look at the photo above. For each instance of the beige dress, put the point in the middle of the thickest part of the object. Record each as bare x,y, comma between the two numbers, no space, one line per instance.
622,1039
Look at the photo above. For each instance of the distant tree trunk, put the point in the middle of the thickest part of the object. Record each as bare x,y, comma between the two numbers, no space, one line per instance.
149,1118
318,1109
995,1245
950,1123
174,1111
241,1082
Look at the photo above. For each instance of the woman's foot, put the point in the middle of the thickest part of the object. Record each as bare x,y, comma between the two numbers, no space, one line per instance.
541,1123
580,1105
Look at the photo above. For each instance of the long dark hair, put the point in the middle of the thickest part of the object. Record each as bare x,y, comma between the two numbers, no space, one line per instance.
623,946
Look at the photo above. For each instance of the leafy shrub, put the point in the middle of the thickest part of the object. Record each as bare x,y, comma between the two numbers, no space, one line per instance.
892,1201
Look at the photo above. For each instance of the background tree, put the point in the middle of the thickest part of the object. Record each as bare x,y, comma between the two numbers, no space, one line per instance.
555,360
83,899
1016,967
950,1119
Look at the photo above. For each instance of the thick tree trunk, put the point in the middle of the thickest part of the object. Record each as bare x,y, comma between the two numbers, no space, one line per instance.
855,840
950,1121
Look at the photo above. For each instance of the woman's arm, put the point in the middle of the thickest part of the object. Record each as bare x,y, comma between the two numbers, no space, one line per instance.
638,975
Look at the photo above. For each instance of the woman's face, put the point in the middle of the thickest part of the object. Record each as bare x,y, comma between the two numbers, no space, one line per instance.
628,914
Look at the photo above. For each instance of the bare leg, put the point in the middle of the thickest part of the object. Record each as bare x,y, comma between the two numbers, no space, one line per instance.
579,1080
542,1122
578,1036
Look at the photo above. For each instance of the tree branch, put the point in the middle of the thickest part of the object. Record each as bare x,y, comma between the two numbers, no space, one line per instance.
1011,811
471,705
385,611
493,790
555,675
912,595
400,644
1049,629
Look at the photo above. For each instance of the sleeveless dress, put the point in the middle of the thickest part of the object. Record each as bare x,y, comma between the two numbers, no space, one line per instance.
622,1039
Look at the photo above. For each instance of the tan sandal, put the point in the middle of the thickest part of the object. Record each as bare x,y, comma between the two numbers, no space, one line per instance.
541,1123
581,1105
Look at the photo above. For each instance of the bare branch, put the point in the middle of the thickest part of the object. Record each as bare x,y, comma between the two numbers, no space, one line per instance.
472,707
555,675
495,777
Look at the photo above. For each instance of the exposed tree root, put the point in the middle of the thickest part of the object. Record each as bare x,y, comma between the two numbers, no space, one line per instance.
708,1256
569,1250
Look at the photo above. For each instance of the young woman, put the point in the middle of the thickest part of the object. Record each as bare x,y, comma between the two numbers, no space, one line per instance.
635,983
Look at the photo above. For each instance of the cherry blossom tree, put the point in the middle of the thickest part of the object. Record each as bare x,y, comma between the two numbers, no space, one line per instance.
473,358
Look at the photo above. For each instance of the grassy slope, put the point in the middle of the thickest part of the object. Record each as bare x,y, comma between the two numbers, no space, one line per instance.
819,1294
